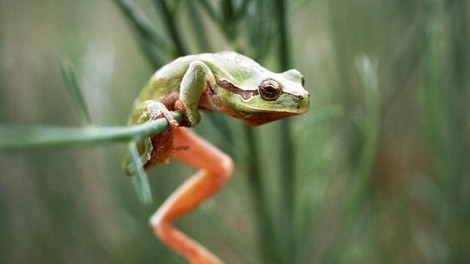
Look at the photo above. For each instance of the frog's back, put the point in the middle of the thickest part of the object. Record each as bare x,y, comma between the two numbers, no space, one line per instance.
232,66
165,83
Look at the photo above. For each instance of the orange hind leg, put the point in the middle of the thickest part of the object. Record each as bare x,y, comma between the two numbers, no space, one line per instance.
215,168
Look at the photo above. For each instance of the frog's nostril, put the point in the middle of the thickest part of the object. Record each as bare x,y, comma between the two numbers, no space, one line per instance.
300,97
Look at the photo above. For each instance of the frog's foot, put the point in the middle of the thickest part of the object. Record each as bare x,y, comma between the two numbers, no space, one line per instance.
159,110
180,105
190,116
156,148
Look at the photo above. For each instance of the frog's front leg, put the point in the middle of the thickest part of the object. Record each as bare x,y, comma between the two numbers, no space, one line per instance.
195,81
215,168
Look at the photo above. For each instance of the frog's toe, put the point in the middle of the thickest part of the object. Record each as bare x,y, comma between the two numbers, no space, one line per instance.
188,116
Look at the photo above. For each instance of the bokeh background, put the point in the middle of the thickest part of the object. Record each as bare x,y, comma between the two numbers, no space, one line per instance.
376,172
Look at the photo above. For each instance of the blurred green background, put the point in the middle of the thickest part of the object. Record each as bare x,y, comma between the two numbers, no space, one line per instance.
376,172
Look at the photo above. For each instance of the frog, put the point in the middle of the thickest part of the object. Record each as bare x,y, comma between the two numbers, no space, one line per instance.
226,82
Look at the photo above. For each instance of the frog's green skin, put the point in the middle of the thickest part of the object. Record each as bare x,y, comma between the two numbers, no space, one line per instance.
226,82
234,75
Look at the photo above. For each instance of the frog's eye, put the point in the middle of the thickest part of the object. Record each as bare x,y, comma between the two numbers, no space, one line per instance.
269,90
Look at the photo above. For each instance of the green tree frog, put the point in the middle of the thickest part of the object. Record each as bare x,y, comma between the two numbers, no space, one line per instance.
226,82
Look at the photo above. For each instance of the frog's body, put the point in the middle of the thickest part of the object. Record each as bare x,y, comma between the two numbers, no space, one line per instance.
232,74
226,82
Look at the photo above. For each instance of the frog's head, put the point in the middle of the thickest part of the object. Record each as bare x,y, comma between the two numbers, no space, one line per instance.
269,97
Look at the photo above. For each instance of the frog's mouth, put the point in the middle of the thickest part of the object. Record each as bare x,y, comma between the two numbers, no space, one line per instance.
258,116
256,119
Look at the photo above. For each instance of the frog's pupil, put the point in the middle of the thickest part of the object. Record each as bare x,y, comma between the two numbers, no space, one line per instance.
270,89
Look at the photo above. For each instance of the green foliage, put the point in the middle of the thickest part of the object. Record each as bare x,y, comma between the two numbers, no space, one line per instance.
375,172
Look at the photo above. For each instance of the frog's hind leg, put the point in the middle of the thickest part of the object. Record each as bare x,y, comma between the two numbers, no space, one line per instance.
215,168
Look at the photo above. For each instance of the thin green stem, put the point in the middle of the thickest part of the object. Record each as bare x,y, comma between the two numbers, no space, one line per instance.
71,81
261,29
361,186
141,182
227,7
169,21
239,245
23,137
210,10
198,26
154,45
371,135
284,44
287,169
266,236
445,119
228,23
242,9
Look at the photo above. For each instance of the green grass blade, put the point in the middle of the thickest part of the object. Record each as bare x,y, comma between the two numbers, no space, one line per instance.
169,18
209,9
70,78
198,26
266,226
140,178
155,46
25,137
369,77
287,236
361,185
241,10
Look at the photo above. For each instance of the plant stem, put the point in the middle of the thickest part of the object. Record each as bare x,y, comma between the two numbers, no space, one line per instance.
361,185
22,137
70,79
140,181
154,45
266,234
287,169
198,26
169,21
284,45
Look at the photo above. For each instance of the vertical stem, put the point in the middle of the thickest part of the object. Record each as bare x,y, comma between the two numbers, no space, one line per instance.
360,186
229,22
198,26
227,7
444,101
266,228
147,37
287,170
169,20
140,179
284,45
68,74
